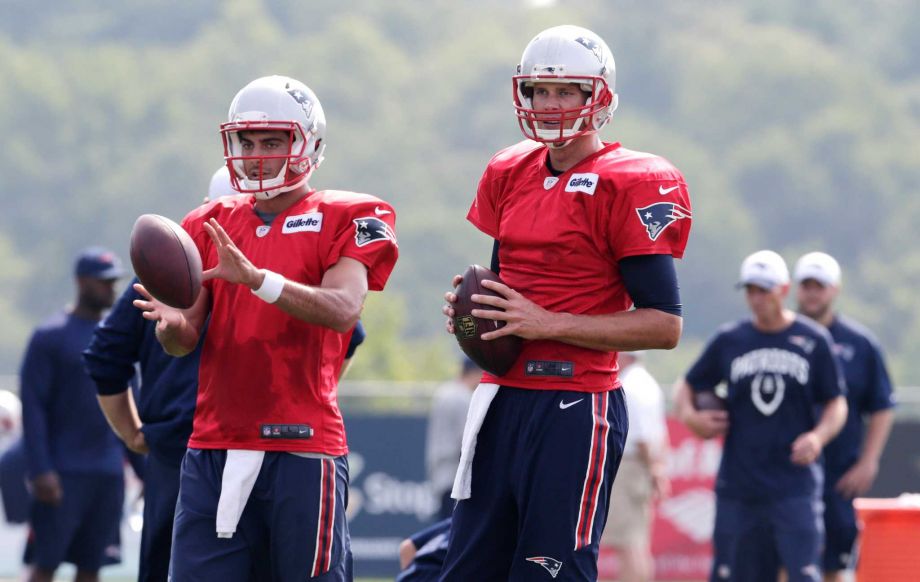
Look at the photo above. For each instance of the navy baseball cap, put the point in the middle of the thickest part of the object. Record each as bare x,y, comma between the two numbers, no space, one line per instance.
98,263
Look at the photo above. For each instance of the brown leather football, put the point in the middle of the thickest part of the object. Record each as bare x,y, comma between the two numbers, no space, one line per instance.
708,400
166,260
494,356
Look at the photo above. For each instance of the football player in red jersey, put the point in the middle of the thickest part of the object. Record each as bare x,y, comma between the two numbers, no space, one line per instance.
584,231
264,482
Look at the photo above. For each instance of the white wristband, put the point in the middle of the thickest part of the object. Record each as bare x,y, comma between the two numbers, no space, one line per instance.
271,288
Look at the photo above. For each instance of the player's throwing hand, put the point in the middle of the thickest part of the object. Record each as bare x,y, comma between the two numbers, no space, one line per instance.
232,265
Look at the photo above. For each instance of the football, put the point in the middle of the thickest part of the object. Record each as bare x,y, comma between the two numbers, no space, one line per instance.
166,260
708,400
494,356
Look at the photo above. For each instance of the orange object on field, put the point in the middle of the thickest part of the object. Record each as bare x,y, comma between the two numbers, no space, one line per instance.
889,546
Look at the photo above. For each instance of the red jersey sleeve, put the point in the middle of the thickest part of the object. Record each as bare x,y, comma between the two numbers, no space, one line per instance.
484,213
367,232
651,216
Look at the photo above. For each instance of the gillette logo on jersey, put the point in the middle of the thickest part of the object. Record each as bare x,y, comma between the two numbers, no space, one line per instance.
657,217
312,222
586,183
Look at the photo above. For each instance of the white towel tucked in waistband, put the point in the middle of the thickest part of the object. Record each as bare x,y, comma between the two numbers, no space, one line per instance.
479,406
240,473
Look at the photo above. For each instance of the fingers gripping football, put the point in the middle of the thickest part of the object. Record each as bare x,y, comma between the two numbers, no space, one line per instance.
474,319
521,316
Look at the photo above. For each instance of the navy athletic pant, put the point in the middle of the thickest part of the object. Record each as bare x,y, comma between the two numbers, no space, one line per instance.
544,465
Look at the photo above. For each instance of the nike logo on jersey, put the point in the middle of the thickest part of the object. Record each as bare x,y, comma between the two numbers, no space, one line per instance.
563,405
586,183
663,191
381,212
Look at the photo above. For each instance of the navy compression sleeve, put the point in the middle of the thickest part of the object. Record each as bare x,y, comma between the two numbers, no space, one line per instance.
651,282
495,266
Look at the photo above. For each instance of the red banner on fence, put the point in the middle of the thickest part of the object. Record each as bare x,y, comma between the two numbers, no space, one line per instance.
682,528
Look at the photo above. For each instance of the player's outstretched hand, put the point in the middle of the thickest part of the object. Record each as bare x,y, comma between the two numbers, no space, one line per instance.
448,309
707,424
168,318
522,317
806,449
232,264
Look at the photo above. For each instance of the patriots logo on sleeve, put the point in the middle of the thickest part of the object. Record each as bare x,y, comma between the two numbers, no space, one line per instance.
370,229
657,217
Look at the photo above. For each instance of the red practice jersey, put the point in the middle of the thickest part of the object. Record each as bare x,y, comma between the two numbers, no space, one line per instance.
268,380
561,238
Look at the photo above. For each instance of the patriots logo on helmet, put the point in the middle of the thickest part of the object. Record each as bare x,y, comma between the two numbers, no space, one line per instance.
591,46
552,565
371,229
657,217
302,98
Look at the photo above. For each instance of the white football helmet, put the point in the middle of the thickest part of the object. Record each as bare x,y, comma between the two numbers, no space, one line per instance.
269,104
566,54
220,184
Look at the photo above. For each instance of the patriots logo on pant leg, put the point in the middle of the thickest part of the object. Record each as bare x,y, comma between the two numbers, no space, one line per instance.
551,564
657,217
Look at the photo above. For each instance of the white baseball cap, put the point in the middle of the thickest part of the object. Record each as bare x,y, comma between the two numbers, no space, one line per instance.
821,267
765,269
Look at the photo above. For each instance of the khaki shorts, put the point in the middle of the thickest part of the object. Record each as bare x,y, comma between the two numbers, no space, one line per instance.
629,519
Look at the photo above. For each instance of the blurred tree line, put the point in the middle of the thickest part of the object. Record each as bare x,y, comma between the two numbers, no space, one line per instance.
795,124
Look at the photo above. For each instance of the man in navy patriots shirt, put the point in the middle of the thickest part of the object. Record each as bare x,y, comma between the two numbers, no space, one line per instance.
850,460
785,402
75,463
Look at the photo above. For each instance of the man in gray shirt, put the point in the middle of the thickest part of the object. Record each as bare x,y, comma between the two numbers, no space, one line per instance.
445,433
